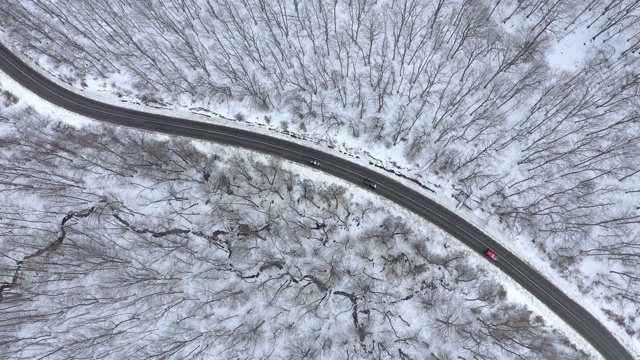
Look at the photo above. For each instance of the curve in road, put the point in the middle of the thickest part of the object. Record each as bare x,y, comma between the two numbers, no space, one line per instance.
567,309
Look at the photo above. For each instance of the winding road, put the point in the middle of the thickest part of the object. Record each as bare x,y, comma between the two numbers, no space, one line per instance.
571,312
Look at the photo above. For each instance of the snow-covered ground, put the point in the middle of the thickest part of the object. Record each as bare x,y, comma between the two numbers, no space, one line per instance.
443,194
569,50
142,200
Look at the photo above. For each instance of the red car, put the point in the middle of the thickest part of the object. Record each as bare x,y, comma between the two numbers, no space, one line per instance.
490,254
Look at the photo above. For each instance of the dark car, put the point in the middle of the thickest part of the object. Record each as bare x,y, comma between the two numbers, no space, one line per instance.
312,161
370,183
490,254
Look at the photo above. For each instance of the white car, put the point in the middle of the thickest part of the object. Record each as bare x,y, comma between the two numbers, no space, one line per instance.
370,183
312,161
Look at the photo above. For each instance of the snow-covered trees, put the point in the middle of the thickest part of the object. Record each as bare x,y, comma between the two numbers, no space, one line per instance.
121,244
472,92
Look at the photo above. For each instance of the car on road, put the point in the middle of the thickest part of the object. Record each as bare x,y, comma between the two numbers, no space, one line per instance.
313,161
490,254
370,183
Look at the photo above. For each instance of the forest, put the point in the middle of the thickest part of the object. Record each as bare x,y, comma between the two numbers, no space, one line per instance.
123,244
474,94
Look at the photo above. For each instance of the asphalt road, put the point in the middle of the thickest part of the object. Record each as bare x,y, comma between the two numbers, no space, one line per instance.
572,313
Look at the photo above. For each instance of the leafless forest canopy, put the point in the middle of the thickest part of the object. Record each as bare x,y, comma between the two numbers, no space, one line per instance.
118,244
464,88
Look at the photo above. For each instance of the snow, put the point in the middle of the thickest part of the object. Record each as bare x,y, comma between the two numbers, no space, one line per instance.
438,239
570,52
27,98
567,53
443,197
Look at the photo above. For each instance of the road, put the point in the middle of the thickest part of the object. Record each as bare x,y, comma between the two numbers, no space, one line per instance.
572,313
